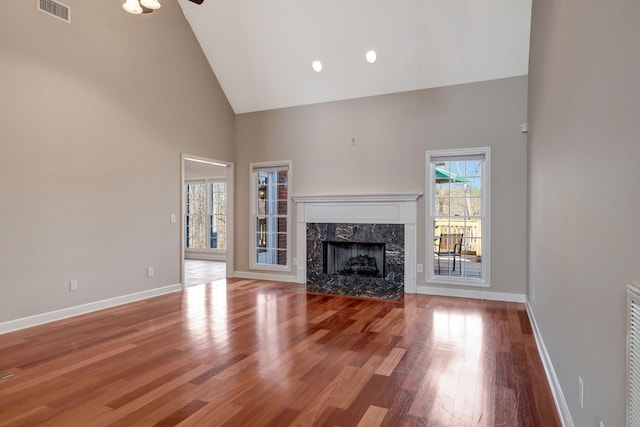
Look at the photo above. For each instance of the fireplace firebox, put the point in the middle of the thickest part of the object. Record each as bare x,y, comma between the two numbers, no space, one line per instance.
354,258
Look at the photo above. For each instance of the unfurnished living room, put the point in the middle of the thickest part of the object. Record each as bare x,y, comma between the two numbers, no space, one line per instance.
340,213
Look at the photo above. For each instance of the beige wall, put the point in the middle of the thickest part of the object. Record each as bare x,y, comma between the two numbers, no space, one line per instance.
94,116
584,199
392,133
195,170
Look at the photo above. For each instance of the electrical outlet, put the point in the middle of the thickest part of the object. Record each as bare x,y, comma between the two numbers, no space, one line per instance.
420,268
581,392
150,272
295,261
73,286
172,219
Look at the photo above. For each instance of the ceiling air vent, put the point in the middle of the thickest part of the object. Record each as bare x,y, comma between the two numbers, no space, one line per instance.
55,9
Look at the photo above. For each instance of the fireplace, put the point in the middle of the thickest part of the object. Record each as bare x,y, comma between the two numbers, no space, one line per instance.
360,259
356,259
387,220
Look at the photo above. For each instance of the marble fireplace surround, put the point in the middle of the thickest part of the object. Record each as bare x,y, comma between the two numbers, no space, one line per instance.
394,208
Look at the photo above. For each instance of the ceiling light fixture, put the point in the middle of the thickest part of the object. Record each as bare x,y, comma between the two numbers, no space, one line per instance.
317,66
151,4
371,56
132,6
136,7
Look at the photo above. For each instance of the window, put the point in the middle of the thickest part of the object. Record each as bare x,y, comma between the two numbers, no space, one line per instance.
218,215
458,216
206,210
270,215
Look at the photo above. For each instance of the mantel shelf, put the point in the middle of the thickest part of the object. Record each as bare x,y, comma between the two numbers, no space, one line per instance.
371,197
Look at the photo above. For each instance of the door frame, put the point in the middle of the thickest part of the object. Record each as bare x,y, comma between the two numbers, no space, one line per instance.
230,259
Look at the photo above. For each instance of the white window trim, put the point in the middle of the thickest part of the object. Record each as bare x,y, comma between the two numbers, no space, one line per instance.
205,181
253,265
431,278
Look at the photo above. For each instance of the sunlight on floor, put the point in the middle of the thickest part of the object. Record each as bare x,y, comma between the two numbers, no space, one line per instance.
198,272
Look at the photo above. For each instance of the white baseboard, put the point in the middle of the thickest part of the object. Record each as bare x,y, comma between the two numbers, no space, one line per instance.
52,316
265,276
471,293
554,383
204,256
430,290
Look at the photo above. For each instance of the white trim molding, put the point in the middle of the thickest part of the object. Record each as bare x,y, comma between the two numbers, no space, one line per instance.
206,254
475,153
256,275
552,378
230,176
480,293
52,316
375,197
393,208
254,169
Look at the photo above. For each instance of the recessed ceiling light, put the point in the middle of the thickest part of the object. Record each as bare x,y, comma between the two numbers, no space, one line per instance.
317,66
371,56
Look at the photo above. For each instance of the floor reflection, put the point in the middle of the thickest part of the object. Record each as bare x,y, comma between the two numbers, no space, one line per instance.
207,315
266,327
459,388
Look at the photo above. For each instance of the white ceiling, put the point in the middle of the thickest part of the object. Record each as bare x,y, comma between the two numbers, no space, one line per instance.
261,51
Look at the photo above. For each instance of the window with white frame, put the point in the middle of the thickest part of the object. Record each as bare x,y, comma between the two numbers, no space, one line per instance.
205,219
458,216
270,220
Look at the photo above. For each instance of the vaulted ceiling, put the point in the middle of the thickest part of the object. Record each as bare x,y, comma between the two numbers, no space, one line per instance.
261,51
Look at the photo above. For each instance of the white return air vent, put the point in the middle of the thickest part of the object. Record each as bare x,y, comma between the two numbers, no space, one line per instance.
633,357
55,9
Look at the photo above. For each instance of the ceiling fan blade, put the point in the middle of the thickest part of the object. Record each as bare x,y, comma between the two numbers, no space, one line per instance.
196,1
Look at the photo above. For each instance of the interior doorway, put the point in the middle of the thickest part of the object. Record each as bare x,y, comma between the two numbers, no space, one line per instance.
206,236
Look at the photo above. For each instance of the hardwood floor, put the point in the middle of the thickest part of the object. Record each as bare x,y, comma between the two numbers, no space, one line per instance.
256,353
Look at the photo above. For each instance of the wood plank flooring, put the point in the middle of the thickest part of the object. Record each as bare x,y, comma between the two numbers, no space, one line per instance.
258,353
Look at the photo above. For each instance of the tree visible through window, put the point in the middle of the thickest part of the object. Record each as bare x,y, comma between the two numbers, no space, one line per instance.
458,218
205,220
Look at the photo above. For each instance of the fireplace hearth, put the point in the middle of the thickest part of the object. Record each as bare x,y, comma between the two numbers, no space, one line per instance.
364,260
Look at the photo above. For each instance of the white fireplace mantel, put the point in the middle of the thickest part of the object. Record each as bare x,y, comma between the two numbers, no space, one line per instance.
376,197
392,208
